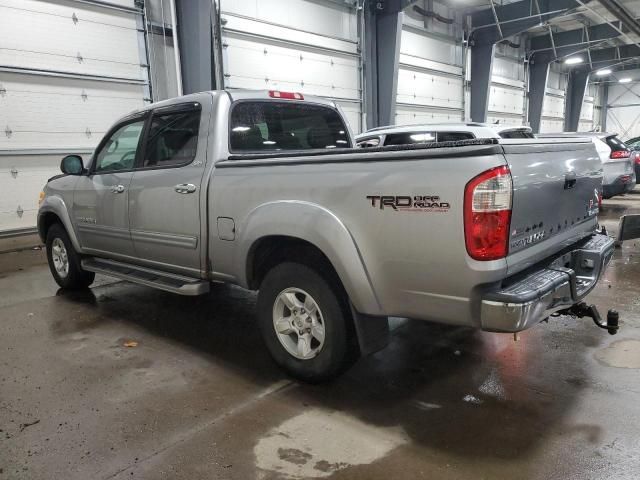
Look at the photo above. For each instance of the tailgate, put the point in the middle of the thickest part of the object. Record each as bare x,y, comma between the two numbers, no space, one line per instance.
556,185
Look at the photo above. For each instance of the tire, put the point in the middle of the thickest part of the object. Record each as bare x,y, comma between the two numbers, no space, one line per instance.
59,247
320,361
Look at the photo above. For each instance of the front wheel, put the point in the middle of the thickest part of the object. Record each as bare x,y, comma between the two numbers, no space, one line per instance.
303,320
64,262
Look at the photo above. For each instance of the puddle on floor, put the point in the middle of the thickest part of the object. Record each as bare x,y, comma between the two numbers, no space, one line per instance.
620,354
318,443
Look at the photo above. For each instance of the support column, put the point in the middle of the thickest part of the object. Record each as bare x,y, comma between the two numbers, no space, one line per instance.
195,37
383,31
481,68
578,81
538,76
605,106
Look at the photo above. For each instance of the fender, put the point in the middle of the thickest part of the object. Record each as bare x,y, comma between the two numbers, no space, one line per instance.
55,204
318,226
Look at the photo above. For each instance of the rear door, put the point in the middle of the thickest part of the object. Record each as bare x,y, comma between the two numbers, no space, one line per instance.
164,196
556,185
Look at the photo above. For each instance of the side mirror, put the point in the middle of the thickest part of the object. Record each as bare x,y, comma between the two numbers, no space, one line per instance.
72,165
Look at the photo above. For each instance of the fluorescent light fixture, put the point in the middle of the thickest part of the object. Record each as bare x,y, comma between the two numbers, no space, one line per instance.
268,142
625,80
573,60
602,73
241,129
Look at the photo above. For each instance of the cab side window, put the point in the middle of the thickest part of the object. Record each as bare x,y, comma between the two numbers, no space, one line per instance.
172,139
119,151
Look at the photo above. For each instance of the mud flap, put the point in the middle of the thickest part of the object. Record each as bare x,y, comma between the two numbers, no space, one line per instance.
629,227
373,332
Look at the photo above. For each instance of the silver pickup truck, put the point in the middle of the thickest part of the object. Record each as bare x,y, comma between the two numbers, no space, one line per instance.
265,190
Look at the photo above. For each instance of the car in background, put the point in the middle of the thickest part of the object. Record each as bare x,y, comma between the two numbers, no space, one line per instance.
634,146
619,176
438,132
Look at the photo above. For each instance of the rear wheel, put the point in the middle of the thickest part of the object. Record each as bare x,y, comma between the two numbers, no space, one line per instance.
64,262
304,322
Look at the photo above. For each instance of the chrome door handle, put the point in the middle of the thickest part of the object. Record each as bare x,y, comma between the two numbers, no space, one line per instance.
185,188
117,189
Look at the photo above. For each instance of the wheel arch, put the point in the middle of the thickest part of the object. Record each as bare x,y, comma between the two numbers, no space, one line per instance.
272,229
54,210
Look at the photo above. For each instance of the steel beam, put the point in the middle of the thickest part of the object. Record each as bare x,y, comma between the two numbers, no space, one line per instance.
383,30
577,88
514,18
195,37
481,68
538,76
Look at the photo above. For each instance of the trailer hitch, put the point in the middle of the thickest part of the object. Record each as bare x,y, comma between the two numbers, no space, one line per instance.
582,310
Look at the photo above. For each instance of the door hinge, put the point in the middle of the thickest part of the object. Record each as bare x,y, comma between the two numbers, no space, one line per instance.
84,95
80,57
20,211
87,132
74,17
14,172
3,90
8,132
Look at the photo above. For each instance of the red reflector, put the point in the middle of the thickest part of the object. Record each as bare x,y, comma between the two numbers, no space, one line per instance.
487,214
285,95
637,157
620,154
625,178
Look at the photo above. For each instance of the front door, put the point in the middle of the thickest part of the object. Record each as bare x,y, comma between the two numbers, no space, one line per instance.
101,198
165,191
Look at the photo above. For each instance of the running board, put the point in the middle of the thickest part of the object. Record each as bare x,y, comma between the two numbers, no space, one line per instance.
169,282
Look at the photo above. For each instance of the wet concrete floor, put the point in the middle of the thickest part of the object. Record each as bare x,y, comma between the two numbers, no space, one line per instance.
196,395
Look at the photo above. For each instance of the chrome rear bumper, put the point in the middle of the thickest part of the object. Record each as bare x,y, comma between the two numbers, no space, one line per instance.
564,282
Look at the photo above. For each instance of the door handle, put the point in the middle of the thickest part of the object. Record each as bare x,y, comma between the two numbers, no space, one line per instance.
185,188
117,189
570,180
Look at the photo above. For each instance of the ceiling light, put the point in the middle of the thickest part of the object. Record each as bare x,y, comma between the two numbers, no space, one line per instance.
625,80
573,60
602,73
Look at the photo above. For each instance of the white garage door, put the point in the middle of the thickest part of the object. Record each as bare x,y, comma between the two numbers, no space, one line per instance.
430,86
305,46
508,94
68,70
554,103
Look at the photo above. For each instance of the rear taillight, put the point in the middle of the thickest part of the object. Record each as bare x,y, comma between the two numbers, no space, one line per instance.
620,154
487,214
285,95
636,158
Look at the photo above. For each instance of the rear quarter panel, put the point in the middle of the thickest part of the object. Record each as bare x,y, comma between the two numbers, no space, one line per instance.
415,258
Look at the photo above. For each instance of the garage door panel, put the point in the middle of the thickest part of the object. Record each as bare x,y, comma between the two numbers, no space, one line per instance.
352,112
409,115
506,100
20,189
264,65
429,89
87,107
56,42
551,125
553,106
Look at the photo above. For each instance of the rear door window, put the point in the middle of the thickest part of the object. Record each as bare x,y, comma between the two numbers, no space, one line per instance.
616,144
369,142
273,126
172,139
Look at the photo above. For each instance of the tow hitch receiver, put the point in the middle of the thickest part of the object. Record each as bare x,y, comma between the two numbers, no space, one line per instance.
581,310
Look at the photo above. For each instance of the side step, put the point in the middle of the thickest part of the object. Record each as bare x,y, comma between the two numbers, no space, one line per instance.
169,282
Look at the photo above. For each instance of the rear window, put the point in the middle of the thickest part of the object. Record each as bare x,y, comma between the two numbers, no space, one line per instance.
272,126
517,134
454,136
616,144
410,138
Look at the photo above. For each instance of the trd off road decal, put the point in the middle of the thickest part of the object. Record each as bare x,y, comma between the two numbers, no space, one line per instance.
406,203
